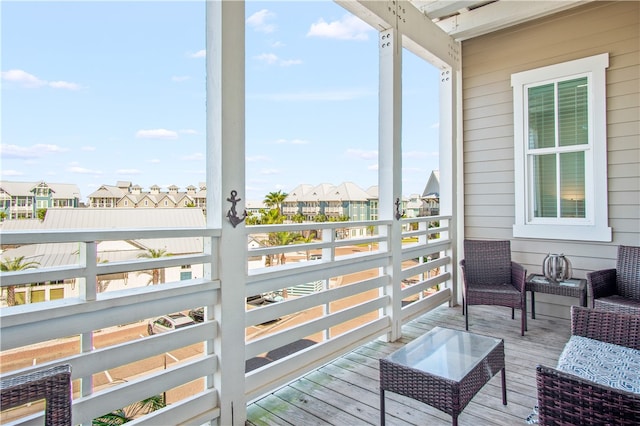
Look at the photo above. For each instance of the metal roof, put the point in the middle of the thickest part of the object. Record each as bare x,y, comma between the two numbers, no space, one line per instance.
123,218
26,189
49,255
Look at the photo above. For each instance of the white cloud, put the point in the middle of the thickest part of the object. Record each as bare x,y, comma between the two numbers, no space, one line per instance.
435,125
272,59
30,81
156,134
50,148
199,54
277,44
83,170
361,154
373,167
23,78
193,157
154,161
180,78
258,21
64,85
88,148
128,172
35,151
12,173
269,58
347,28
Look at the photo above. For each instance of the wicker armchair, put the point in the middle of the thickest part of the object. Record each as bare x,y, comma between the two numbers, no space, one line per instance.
567,399
618,290
491,278
52,384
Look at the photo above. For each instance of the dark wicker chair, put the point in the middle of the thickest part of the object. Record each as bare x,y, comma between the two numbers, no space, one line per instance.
52,385
566,399
618,290
491,278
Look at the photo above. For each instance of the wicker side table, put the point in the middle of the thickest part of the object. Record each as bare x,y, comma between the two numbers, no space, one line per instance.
443,368
575,287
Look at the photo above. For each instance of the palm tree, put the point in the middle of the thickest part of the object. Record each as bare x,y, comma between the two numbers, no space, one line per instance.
320,218
252,219
283,239
102,284
131,412
275,199
157,275
41,213
298,218
15,264
306,240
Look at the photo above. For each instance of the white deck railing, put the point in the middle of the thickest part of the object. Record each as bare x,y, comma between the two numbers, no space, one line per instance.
357,302
76,321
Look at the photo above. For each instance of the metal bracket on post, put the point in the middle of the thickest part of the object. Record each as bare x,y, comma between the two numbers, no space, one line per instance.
398,214
232,214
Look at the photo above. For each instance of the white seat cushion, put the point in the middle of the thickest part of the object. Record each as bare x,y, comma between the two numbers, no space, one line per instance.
603,363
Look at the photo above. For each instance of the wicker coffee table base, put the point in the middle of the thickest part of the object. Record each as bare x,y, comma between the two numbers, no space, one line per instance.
446,395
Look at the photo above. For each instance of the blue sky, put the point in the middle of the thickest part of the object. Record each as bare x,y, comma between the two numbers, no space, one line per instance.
98,92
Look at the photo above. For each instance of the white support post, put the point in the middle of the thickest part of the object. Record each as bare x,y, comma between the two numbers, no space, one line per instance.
390,163
451,166
87,287
225,176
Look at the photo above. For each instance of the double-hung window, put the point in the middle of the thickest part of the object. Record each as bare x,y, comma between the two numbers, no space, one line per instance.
560,151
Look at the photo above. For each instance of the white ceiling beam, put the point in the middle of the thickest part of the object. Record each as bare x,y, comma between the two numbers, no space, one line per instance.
420,35
442,8
502,14
375,13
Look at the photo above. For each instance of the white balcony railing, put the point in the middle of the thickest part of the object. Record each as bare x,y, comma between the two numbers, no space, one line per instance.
132,367
356,297
361,299
334,210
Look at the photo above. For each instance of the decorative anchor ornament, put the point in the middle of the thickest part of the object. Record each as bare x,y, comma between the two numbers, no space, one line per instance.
398,214
232,214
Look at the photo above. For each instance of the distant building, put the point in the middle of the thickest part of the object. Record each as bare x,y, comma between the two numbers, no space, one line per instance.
349,200
345,200
431,195
254,207
125,195
53,255
22,200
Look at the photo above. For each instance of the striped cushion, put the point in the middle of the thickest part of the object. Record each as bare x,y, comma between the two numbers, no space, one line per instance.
603,363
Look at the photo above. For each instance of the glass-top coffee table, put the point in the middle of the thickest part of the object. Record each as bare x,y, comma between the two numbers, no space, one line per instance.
443,368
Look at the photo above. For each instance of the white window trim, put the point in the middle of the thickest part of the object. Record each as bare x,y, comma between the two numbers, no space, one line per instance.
595,228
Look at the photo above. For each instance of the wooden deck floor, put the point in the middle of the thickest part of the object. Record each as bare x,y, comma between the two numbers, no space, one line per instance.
345,392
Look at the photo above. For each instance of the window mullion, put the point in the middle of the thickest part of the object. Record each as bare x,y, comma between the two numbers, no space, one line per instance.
556,119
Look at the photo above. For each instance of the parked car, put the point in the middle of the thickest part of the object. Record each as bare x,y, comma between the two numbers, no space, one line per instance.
169,323
197,314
